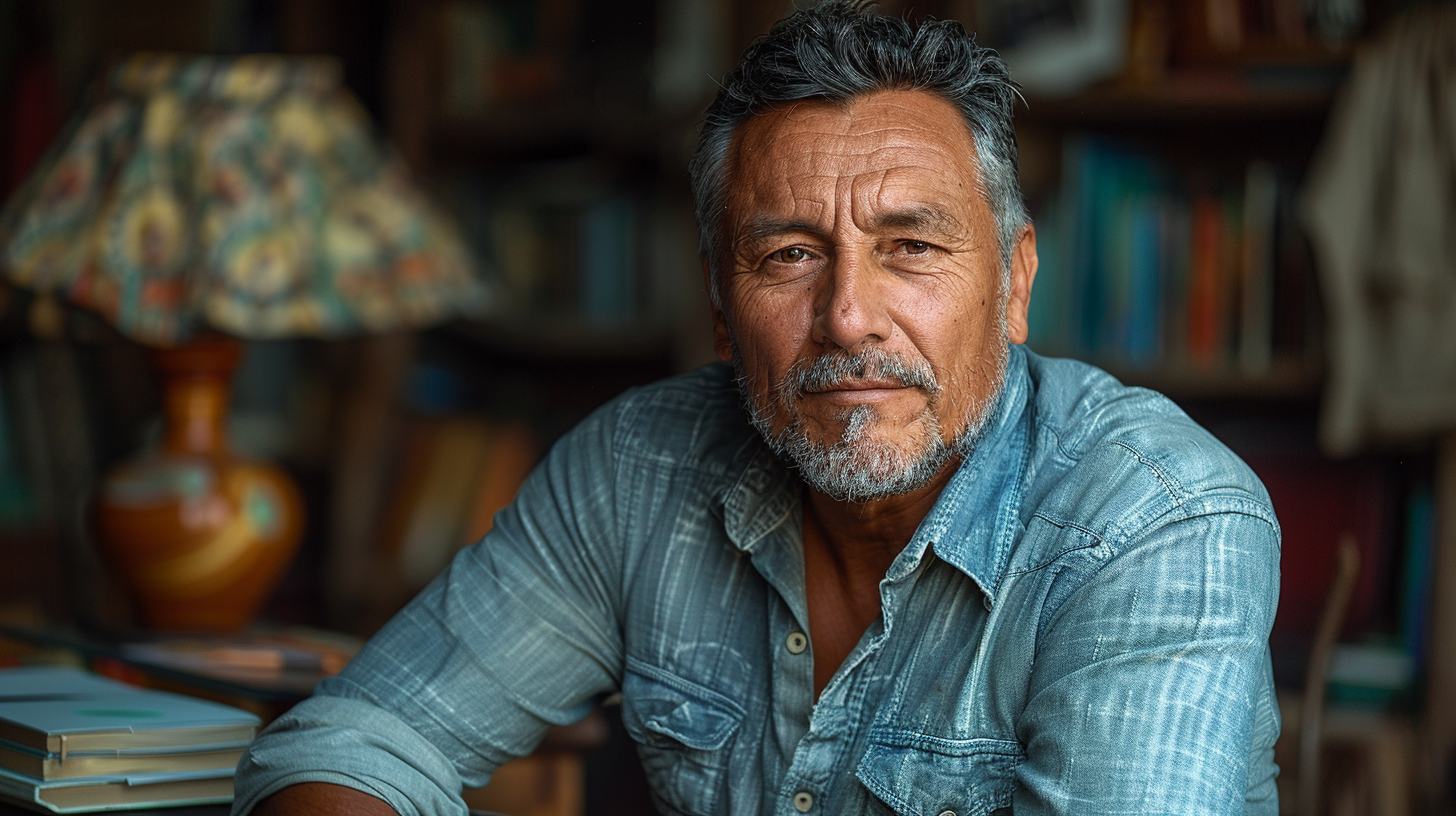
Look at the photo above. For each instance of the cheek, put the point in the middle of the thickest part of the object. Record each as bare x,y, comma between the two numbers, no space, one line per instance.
956,336
944,321
770,329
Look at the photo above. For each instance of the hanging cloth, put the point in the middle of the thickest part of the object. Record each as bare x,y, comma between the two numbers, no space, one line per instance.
1380,209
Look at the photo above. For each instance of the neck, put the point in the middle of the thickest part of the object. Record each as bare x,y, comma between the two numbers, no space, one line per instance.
869,535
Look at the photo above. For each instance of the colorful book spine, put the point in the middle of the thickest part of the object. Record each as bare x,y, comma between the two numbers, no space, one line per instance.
1145,264
1204,280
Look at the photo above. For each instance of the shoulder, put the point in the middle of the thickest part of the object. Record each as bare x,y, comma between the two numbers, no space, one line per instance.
1130,504
1119,461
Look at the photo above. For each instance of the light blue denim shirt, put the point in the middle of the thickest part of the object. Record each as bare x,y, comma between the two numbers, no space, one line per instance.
1080,626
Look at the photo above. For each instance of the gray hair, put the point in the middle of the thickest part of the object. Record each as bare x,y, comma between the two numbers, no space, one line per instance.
841,50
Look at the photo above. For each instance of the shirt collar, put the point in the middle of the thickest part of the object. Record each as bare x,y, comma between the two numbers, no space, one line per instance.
762,497
976,521
972,525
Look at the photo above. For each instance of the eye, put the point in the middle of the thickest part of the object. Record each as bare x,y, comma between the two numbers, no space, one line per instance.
790,255
915,247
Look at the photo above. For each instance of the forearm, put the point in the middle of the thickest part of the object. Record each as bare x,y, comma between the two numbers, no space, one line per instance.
322,799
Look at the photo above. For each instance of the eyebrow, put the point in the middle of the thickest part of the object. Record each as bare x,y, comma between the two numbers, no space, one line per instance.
923,217
760,228
932,219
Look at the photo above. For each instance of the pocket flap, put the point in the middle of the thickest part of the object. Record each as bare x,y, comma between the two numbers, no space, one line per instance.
656,704
920,775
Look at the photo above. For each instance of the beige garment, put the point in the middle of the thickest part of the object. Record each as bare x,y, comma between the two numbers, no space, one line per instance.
1380,207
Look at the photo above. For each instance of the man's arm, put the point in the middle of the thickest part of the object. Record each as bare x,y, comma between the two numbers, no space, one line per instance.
1150,691
519,634
322,799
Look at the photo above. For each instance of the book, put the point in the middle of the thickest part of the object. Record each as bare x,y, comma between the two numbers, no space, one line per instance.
1174,239
1415,590
607,259
1082,167
1256,327
511,457
58,711
1142,329
1205,290
1046,312
433,530
117,792
77,764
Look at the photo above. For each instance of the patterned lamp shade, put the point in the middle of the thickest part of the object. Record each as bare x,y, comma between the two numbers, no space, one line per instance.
245,194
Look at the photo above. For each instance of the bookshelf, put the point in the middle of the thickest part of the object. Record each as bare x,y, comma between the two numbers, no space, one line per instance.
1167,227
553,132
1205,99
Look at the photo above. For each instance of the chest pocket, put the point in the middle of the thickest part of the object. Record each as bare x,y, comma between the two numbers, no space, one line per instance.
684,733
918,775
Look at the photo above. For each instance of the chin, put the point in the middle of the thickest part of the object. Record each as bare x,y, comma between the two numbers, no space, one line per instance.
861,464
863,454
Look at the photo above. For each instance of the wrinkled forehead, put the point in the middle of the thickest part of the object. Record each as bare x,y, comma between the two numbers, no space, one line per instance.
893,144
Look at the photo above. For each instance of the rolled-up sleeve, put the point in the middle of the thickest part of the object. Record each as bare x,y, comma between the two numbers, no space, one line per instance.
520,633
1151,690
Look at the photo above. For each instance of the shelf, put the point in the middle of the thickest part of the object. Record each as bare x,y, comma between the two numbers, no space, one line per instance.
1190,99
1284,382
553,129
565,337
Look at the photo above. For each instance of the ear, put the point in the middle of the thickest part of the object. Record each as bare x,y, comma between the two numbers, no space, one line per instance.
1023,273
722,343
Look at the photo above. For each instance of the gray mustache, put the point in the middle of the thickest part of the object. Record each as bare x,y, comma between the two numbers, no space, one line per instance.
837,367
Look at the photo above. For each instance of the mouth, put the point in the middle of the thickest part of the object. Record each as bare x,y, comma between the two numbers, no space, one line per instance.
843,396
859,385
848,379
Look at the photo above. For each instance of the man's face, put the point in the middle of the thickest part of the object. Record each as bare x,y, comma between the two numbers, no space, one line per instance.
861,298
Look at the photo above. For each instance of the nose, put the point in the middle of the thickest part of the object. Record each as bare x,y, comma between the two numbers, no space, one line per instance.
850,308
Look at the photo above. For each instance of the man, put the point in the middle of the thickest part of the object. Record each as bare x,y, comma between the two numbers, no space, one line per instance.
888,561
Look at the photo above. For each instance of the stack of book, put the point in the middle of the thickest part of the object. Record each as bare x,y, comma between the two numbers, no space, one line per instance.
73,742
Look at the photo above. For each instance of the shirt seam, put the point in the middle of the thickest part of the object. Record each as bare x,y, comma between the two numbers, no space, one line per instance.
1171,484
1163,520
631,403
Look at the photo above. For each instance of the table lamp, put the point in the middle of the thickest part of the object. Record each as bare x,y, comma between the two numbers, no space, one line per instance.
196,200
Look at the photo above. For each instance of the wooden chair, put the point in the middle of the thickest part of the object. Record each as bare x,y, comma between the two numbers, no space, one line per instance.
1347,569
1378,744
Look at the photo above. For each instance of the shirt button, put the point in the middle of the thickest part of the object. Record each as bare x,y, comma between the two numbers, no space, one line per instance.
947,813
802,800
797,643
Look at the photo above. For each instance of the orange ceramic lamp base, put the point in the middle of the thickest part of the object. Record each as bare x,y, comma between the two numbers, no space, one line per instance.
198,537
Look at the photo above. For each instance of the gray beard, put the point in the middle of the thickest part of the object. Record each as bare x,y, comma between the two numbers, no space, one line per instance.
856,468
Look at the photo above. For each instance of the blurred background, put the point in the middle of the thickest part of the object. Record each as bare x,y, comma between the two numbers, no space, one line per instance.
1224,214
